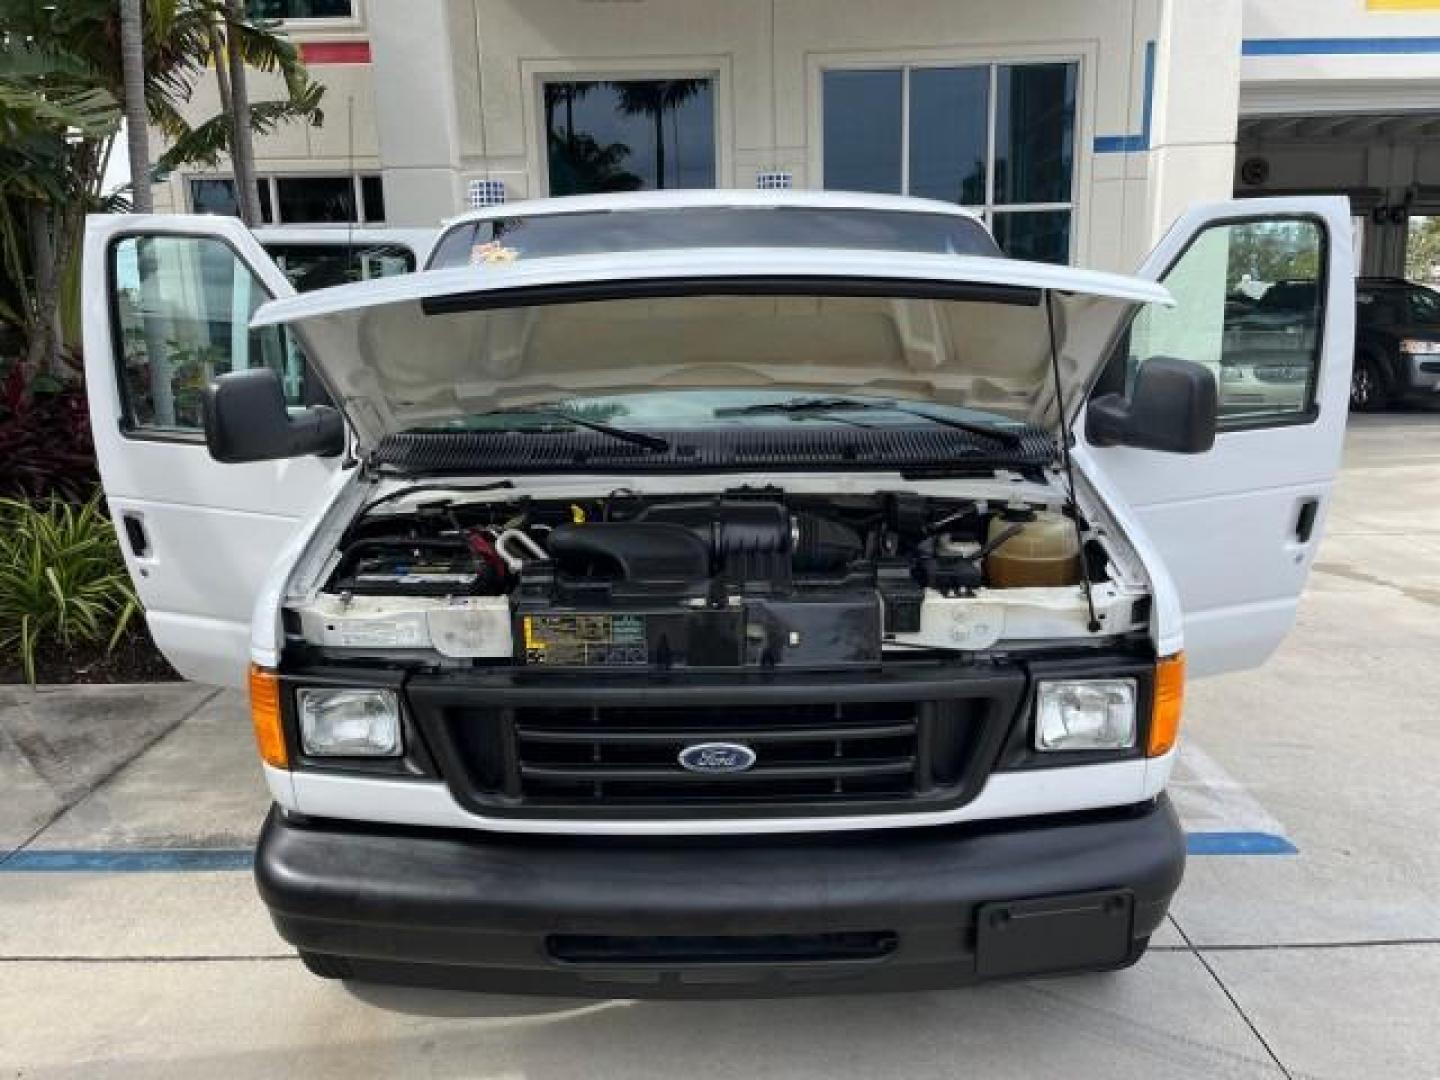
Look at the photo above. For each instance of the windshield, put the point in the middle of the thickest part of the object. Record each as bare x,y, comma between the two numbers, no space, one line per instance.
601,232
1290,296
1399,305
695,410
1424,306
319,266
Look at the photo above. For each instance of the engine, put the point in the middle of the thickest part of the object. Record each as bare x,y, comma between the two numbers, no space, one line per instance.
747,578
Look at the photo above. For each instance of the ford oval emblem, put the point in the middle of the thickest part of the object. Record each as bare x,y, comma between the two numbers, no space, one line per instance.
717,757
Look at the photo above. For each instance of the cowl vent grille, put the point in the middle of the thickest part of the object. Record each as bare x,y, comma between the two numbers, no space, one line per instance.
805,446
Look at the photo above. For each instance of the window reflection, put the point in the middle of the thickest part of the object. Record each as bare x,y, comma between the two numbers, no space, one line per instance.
862,111
1042,236
630,135
956,115
949,115
1249,305
1034,133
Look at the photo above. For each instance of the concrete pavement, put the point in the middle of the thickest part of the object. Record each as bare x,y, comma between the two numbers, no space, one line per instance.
1322,963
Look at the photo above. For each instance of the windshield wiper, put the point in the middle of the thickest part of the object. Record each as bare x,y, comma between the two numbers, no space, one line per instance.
802,407
650,442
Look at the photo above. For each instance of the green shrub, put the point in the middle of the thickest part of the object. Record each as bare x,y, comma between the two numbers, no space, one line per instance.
62,579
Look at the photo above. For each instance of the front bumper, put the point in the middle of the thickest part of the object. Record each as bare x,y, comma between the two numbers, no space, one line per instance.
743,916
1421,375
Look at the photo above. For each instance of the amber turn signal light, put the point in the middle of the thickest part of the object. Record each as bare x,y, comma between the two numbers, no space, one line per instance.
1168,704
265,715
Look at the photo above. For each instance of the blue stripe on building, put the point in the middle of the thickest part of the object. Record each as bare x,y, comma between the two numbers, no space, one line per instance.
1353,46
1129,144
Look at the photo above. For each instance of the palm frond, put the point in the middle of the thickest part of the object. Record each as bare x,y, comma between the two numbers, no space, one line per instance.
202,144
52,90
208,141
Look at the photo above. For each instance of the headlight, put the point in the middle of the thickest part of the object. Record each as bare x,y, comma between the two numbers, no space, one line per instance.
1420,348
349,723
1085,714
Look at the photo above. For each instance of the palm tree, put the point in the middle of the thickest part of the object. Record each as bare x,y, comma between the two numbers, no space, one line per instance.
567,94
242,145
584,166
132,64
652,97
64,81
55,130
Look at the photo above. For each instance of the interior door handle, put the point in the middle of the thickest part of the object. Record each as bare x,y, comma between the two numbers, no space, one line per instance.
135,535
1305,520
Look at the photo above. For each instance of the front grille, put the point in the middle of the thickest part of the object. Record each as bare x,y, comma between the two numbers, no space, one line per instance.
913,737
630,756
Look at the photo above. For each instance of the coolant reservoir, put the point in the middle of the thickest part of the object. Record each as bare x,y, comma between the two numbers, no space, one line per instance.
1045,552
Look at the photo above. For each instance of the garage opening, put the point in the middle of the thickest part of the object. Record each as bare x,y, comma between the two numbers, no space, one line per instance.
1388,163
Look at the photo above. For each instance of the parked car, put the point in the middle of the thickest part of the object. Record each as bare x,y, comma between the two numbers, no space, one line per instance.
1268,344
713,593
1397,344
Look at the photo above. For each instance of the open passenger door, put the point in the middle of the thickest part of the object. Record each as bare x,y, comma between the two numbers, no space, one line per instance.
167,307
1237,527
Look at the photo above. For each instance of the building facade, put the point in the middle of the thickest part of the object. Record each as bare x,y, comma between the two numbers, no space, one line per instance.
1079,128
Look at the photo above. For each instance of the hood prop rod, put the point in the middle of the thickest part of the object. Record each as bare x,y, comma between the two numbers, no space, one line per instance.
1094,624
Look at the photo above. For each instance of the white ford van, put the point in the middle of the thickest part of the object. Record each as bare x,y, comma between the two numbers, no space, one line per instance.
718,592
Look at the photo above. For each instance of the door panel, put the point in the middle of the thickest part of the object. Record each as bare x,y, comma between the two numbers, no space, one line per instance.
167,302
1237,527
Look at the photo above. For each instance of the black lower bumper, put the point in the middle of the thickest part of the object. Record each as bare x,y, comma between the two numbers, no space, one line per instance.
884,910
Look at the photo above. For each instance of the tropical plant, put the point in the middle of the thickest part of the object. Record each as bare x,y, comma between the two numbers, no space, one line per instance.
55,131
132,77
62,92
580,166
1422,249
62,580
45,446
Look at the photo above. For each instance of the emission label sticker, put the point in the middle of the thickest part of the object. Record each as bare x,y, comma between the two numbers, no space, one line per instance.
377,633
585,639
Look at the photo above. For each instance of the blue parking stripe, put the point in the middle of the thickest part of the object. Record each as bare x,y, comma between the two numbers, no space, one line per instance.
137,860
1238,843
148,860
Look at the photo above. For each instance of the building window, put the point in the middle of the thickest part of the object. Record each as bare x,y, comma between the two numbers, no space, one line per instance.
629,135
299,200
316,198
998,138
372,198
216,195
300,9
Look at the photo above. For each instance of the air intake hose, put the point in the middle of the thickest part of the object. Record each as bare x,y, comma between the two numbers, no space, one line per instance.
824,545
631,551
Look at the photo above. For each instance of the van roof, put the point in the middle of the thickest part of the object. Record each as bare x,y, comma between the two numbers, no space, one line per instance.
709,197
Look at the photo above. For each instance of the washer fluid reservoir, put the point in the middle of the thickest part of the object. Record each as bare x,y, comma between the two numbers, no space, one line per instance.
1044,553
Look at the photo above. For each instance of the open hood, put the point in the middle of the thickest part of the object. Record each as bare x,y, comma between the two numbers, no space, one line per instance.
421,349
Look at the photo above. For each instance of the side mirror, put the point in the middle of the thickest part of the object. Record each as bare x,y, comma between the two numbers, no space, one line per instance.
246,419
1172,408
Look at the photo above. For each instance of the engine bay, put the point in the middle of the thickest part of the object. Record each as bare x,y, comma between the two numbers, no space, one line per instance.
745,577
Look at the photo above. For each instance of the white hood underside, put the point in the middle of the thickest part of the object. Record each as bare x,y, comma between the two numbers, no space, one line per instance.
422,349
